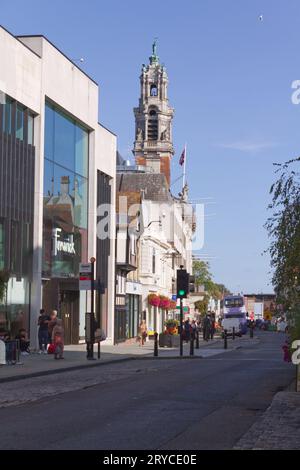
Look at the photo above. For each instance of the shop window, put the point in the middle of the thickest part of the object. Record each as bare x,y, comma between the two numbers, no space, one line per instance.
30,130
20,122
64,141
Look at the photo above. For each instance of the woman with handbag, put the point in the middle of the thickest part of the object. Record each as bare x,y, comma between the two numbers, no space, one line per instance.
143,332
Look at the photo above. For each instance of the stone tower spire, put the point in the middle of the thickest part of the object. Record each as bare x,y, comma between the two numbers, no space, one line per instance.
153,146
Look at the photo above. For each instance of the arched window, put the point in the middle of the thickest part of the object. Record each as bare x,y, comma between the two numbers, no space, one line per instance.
153,125
153,90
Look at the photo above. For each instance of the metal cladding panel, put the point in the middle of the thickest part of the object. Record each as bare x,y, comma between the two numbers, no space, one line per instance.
103,246
16,179
17,166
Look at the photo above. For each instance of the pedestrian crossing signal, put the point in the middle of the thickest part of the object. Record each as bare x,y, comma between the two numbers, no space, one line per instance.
182,283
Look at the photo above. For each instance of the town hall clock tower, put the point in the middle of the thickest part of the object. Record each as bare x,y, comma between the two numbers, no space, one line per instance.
153,146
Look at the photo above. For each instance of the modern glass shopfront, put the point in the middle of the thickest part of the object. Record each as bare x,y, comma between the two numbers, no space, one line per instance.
17,166
65,217
133,315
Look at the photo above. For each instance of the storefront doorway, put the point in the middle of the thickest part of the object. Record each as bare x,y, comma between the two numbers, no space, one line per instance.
69,312
63,296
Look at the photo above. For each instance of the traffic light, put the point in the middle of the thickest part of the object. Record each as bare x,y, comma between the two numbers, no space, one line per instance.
182,283
191,284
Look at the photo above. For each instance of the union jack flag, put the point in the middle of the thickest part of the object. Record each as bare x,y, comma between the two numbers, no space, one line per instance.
182,158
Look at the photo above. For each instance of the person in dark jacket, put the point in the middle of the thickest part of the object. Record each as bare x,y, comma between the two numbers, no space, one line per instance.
187,330
43,322
212,326
206,327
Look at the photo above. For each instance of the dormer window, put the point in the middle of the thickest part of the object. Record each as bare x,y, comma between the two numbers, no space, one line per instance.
153,90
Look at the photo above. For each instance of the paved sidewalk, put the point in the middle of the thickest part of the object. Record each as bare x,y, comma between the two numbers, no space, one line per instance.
75,357
278,428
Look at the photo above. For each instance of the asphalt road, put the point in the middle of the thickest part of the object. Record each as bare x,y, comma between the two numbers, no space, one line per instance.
169,404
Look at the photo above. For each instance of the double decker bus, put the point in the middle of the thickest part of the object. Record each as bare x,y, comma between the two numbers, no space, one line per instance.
234,307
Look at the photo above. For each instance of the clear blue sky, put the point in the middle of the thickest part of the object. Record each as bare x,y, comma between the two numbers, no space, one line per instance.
230,83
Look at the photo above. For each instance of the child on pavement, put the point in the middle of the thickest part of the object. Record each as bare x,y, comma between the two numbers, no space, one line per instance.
58,339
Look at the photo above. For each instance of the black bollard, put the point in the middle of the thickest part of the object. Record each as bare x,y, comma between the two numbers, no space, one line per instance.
155,344
233,333
197,340
225,339
192,344
99,351
251,331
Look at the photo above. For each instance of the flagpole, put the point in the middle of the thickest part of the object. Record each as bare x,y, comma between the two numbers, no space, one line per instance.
184,168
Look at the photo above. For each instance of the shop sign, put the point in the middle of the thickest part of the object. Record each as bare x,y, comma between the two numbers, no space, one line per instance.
85,276
63,243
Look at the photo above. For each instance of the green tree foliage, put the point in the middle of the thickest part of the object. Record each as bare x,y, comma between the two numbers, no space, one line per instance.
284,232
4,278
202,305
203,277
223,290
202,273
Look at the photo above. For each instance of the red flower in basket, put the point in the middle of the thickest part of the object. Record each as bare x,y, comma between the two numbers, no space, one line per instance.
164,303
154,300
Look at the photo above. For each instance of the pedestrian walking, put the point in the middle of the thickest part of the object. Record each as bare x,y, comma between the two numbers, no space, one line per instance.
51,324
43,322
187,330
287,351
58,339
206,327
143,332
193,329
212,326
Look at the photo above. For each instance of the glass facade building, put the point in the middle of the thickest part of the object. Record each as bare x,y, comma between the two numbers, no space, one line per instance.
65,195
65,215
17,166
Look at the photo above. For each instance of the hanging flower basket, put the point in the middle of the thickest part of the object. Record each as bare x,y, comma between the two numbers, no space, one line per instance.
173,304
154,300
164,302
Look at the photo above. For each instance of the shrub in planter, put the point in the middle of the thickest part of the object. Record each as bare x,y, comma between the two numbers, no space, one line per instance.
171,327
4,278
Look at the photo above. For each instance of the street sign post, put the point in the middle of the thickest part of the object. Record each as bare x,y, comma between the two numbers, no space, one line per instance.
85,276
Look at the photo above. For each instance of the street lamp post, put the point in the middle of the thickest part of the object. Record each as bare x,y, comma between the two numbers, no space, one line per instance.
154,222
90,344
